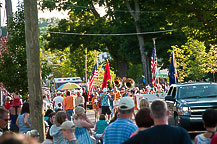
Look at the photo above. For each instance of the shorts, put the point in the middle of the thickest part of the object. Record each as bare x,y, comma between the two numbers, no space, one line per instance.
106,110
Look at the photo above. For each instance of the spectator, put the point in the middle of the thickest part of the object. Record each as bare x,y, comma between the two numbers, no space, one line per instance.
143,104
49,139
210,123
114,118
4,118
68,105
82,124
7,103
79,100
143,120
214,139
34,134
51,119
57,101
14,112
161,133
100,126
46,116
105,103
23,120
121,130
54,130
45,103
85,95
68,129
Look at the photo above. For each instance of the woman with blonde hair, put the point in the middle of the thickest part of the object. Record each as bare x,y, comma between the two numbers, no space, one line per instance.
58,138
82,124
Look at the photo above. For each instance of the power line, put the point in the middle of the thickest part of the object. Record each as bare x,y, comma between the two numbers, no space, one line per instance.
119,34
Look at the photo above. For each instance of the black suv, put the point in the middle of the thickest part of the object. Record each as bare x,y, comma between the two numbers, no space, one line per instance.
188,101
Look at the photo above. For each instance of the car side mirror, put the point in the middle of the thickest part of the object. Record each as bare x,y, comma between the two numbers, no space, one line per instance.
169,98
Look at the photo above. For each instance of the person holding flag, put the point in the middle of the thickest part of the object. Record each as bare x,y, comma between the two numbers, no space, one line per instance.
173,76
154,64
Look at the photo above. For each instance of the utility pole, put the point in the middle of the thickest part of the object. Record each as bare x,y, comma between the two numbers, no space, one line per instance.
33,66
8,6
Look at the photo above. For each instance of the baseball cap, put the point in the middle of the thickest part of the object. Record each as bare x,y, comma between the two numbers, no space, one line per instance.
67,125
58,92
126,103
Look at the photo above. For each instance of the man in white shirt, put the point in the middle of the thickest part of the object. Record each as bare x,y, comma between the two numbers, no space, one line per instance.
79,100
57,101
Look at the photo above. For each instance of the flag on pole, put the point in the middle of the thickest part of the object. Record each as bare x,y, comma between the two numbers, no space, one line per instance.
93,75
173,76
154,65
107,76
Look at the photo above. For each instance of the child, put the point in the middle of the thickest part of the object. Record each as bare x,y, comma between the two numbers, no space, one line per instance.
210,122
100,126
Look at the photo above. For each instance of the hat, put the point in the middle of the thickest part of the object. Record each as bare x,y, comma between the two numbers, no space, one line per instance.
67,125
33,133
16,101
58,92
79,110
126,103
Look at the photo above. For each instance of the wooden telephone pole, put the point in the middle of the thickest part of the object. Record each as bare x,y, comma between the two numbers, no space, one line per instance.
33,66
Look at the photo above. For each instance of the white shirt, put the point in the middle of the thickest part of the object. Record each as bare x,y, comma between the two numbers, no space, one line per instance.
57,100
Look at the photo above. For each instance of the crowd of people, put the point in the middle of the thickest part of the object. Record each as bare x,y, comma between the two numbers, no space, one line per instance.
119,118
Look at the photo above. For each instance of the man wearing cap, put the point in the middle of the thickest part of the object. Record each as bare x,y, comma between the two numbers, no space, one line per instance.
68,129
57,101
120,130
68,105
161,133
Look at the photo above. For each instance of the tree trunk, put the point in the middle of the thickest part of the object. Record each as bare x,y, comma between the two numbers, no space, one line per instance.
8,6
33,66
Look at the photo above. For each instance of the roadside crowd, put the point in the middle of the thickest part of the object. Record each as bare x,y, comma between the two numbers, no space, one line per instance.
119,118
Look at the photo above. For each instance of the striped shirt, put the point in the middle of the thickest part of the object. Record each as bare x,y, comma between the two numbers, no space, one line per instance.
119,131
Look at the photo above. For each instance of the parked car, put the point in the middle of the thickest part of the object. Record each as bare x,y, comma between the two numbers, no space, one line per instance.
188,101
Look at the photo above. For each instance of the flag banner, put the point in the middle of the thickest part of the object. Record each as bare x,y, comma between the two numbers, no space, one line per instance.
173,76
107,76
154,66
93,75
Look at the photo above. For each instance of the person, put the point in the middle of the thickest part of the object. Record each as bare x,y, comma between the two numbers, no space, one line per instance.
49,139
14,112
45,103
68,128
143,120
100,127
23,120
116,98
4,118
95,105
120,130
82,124
85,95
57,101
54,130
34,134
47,113
210,123
214,139
68,105
7,103
143,103
105,104
79,100
114,117
161,133
51,119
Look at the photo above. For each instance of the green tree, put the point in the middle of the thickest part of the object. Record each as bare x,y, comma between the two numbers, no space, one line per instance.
13,71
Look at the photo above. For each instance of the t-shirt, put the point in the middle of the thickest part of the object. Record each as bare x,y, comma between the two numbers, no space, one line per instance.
57,100
68,103
105,101
100,126
201,139
119,131
161,134
214,139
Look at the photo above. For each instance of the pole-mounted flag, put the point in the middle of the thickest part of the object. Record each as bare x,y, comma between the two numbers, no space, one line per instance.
154,64
93,75
173,76
107,76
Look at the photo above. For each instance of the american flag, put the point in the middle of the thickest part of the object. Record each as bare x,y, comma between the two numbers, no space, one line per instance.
93,75
154,66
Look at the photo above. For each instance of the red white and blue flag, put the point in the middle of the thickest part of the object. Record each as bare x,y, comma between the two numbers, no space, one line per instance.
154,66
93,75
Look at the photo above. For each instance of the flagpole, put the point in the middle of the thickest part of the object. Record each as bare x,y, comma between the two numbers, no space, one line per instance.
156,55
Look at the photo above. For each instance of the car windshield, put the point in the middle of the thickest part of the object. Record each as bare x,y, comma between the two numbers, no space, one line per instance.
197,91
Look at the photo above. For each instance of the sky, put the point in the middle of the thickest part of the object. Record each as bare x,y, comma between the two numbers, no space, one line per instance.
45,14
